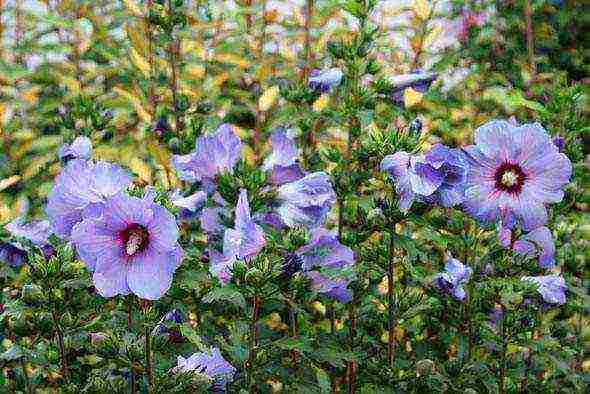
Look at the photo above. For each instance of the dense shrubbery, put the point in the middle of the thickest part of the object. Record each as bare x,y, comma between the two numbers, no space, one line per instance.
332,196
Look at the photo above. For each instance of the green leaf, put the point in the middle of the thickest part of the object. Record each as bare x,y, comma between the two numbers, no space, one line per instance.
13,353
302,344
226,294
190,334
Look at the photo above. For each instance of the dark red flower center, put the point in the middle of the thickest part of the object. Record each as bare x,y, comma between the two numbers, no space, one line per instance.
135,239
510,178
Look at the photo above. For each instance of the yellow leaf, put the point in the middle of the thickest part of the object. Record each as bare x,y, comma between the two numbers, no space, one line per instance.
193,47
231,59
318,307
383,286
139,167
432,36
72,84
195,71
160,154
275,323
135,32
412,97
31,95
38,163
140,63
321,103
268,98
4,113
287,52
249,155
137,105
133,8
7,182
421,9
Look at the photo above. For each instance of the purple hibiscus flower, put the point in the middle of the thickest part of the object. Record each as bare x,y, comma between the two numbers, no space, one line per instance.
243,242
209,363
514,171
12,255
438,177
538,243
37,232
419,81
81,148
325,81
335,288
189,206
551,287
132,247
211,218
455,275
282,162
80,190
307,201
325,252
213,154
174,317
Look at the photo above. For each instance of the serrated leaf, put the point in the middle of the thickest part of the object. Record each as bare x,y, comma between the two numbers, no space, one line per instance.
189,333
227,294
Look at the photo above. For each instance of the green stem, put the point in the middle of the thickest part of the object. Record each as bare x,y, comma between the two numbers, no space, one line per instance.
390,306
529,35
148,359
502,377
252,344
129,307
28,388
60,343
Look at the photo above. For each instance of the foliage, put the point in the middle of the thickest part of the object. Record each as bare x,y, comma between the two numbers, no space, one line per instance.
144,80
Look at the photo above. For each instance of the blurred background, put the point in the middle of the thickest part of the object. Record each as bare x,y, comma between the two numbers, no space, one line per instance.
143,78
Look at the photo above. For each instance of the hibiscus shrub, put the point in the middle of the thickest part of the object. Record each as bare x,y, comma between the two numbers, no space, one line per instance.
341,228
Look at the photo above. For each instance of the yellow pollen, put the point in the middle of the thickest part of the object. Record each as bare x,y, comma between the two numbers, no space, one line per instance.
509,178
133,243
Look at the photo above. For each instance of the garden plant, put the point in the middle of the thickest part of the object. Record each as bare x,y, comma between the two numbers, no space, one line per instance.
297,196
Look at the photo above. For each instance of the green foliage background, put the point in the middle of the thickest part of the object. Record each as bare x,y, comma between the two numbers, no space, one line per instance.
112,70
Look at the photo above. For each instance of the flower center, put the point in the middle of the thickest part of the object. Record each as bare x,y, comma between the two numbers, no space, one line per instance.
135,239
510,178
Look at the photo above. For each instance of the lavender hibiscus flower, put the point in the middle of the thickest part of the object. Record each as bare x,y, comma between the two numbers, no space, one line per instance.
551,287
451,281
243,242
282,162
307,201
81,190
335,288
189,206
131,248
213,154
209,363
438,177
81,148
538,243
37,232
325,252
419,81
514,171
325,81
14,256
